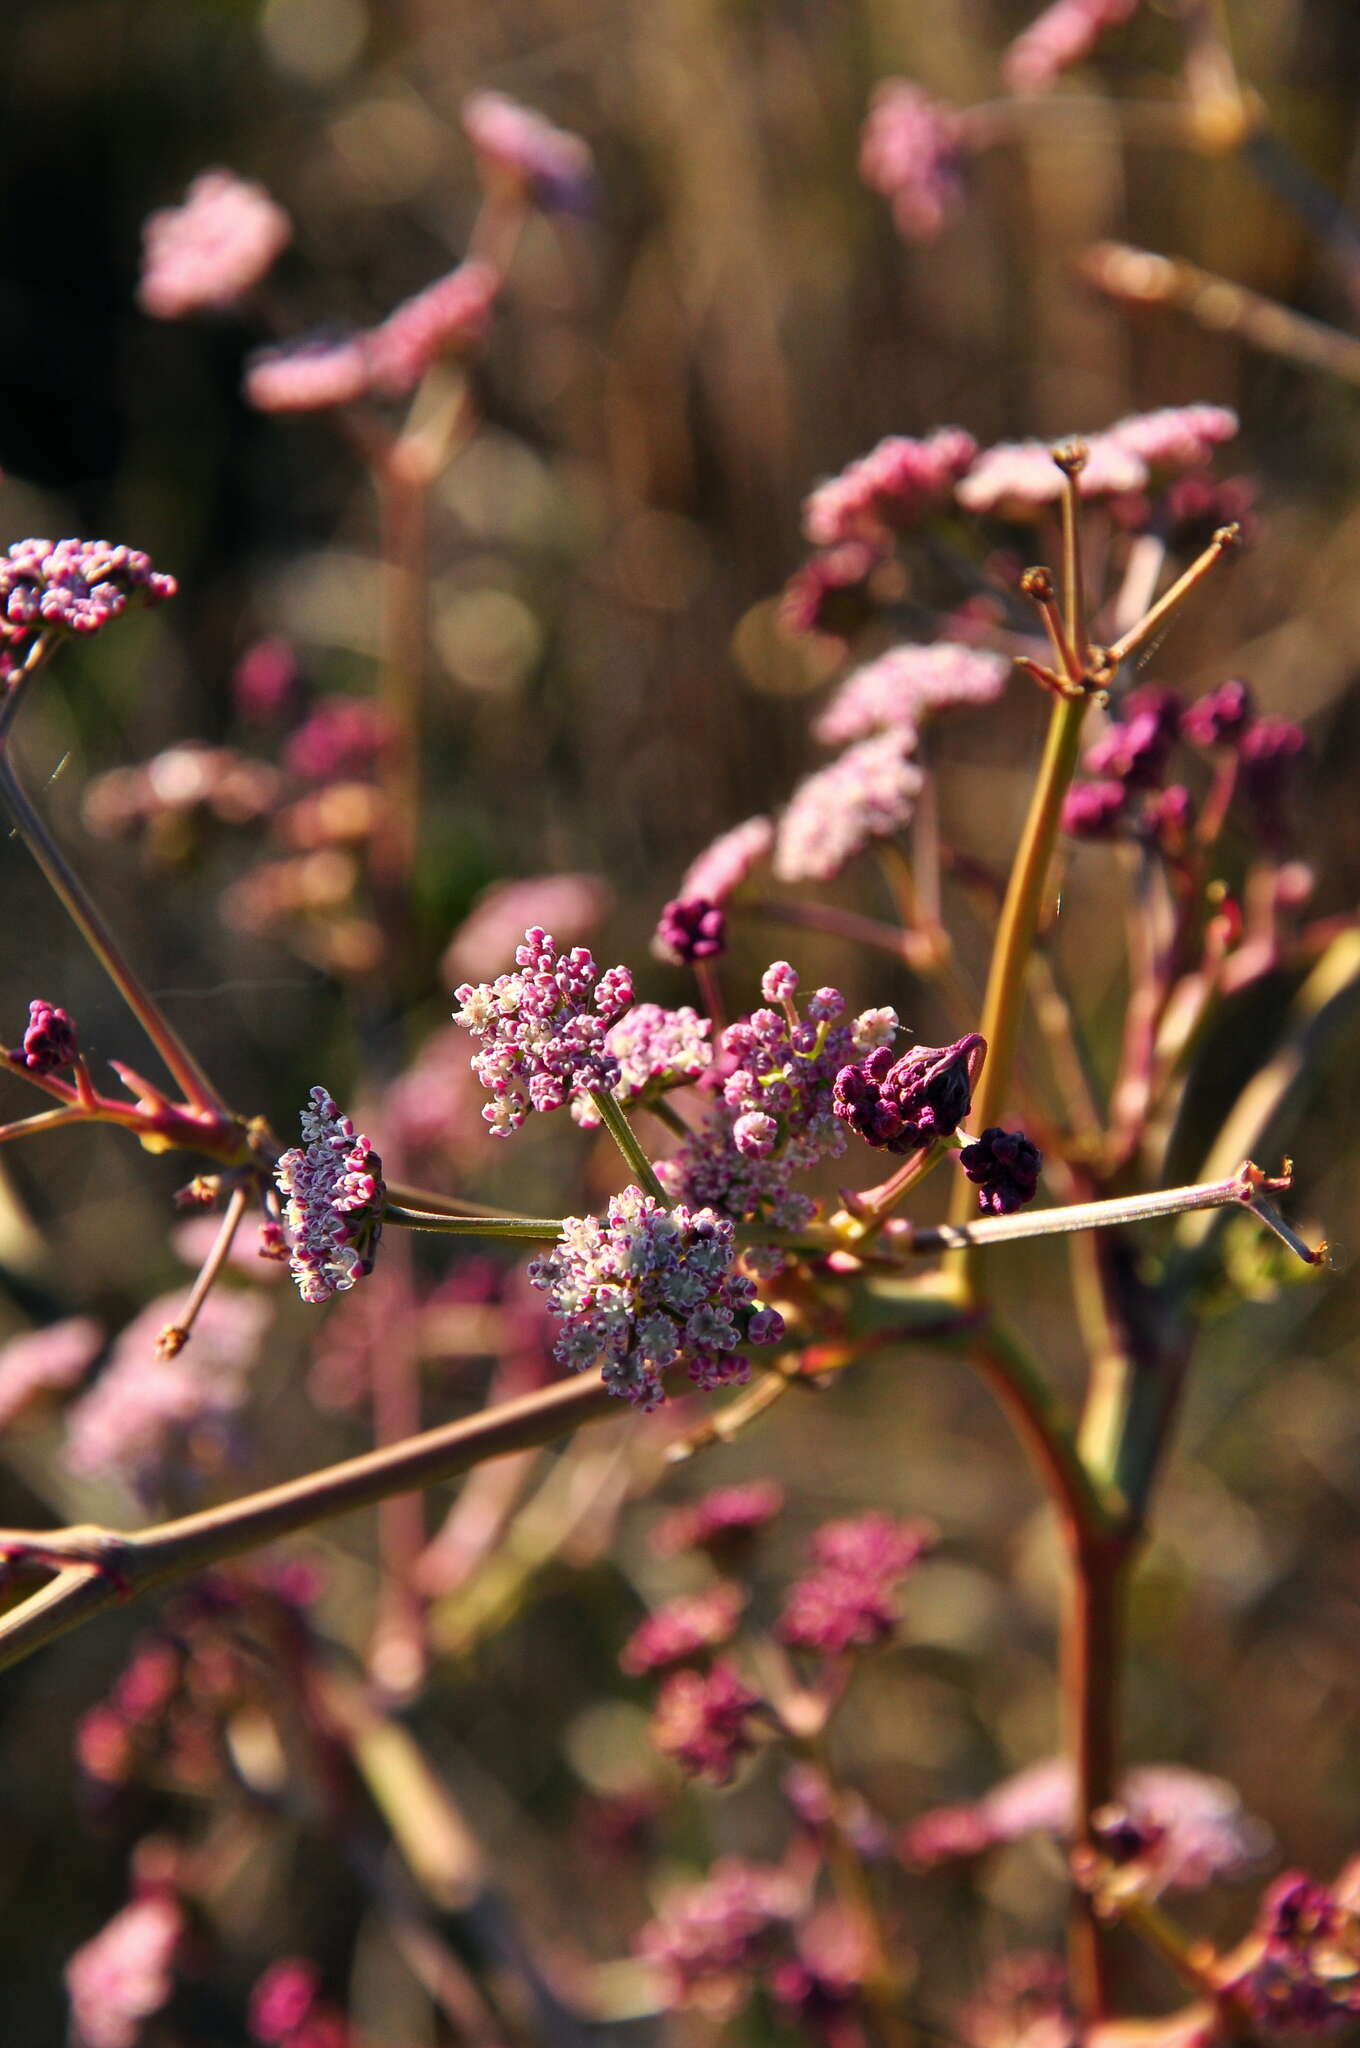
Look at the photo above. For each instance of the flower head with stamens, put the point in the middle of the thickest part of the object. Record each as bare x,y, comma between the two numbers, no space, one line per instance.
543,1030
69,586
648,1288
702,1721
333,1202
656,1049
846,1601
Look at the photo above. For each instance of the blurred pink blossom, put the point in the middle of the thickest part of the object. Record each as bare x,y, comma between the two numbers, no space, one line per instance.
911,151
209,252
572,905
895,692
1058,38
554,166
450,315
721,868
124,1974
309,375
45,1360
890,487
1016,479
869,793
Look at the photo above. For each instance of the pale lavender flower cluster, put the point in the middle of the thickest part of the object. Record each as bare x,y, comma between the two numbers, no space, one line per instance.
775,1114
911,150
450,316
206,254
333,1202
125,1973
44,1361
553,166
890,487
719,871
1059,38
147,1410
1197,1828
711,1938
656,1049
73,586
1016,479
543,1029
869,793
899,689
647,1288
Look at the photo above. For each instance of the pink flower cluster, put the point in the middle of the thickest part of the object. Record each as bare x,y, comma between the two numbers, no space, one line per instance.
869,793
47,1360
450,316
683,1629
206,254
719,871
1060,37
719,1522
846,1602
179,782
911,150
1197,1827
1017,479
287,2010
553,166
333,1202
572,905
902,687
125,1973
648,1288
147,1410
889,488
656,1049
69,586
543,1029
711,1938
702,1721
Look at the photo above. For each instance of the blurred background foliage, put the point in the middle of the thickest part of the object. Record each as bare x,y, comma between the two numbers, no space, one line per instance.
607,691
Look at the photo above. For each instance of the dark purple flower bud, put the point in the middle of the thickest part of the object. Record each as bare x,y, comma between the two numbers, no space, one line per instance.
49,1041
901,1105
1269,752
1219,718
1005,1167
1136,745
691,929
1094,810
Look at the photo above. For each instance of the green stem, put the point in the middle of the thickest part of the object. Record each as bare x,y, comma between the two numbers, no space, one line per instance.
1015,933
537,1229
626,1138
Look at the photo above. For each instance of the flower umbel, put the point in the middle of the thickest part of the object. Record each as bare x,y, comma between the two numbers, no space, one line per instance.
648,1288
543,1029
74,586
333,1189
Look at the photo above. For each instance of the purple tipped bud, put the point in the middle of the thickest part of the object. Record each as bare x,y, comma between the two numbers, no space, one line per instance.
1005,1167
1219,719
1094,810
691,929
779,982
50,1040
1270,752
902,1105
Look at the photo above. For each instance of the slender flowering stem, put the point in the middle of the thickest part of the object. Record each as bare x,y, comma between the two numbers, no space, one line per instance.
536,1229
1247,1187
626,1138
1224,541
98,1566
88,921
213,1264
1071,460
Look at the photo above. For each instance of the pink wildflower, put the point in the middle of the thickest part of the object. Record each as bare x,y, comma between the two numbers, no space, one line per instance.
833,593
701,1721
550,164
47,1360
125,1973
574,905
543,1029
283,2000
683,1628
310,375
821,1986
898,690
657,1049
1017,479
264,678
144,1409
1176,437
846,1602
891,487
868,793
720,1521
343,736
1059,38
334,1193
70,586
719,871
711,1938
911,150
206,254
449,317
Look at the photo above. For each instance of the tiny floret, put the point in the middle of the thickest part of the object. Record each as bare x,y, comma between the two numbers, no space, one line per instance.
333,1202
